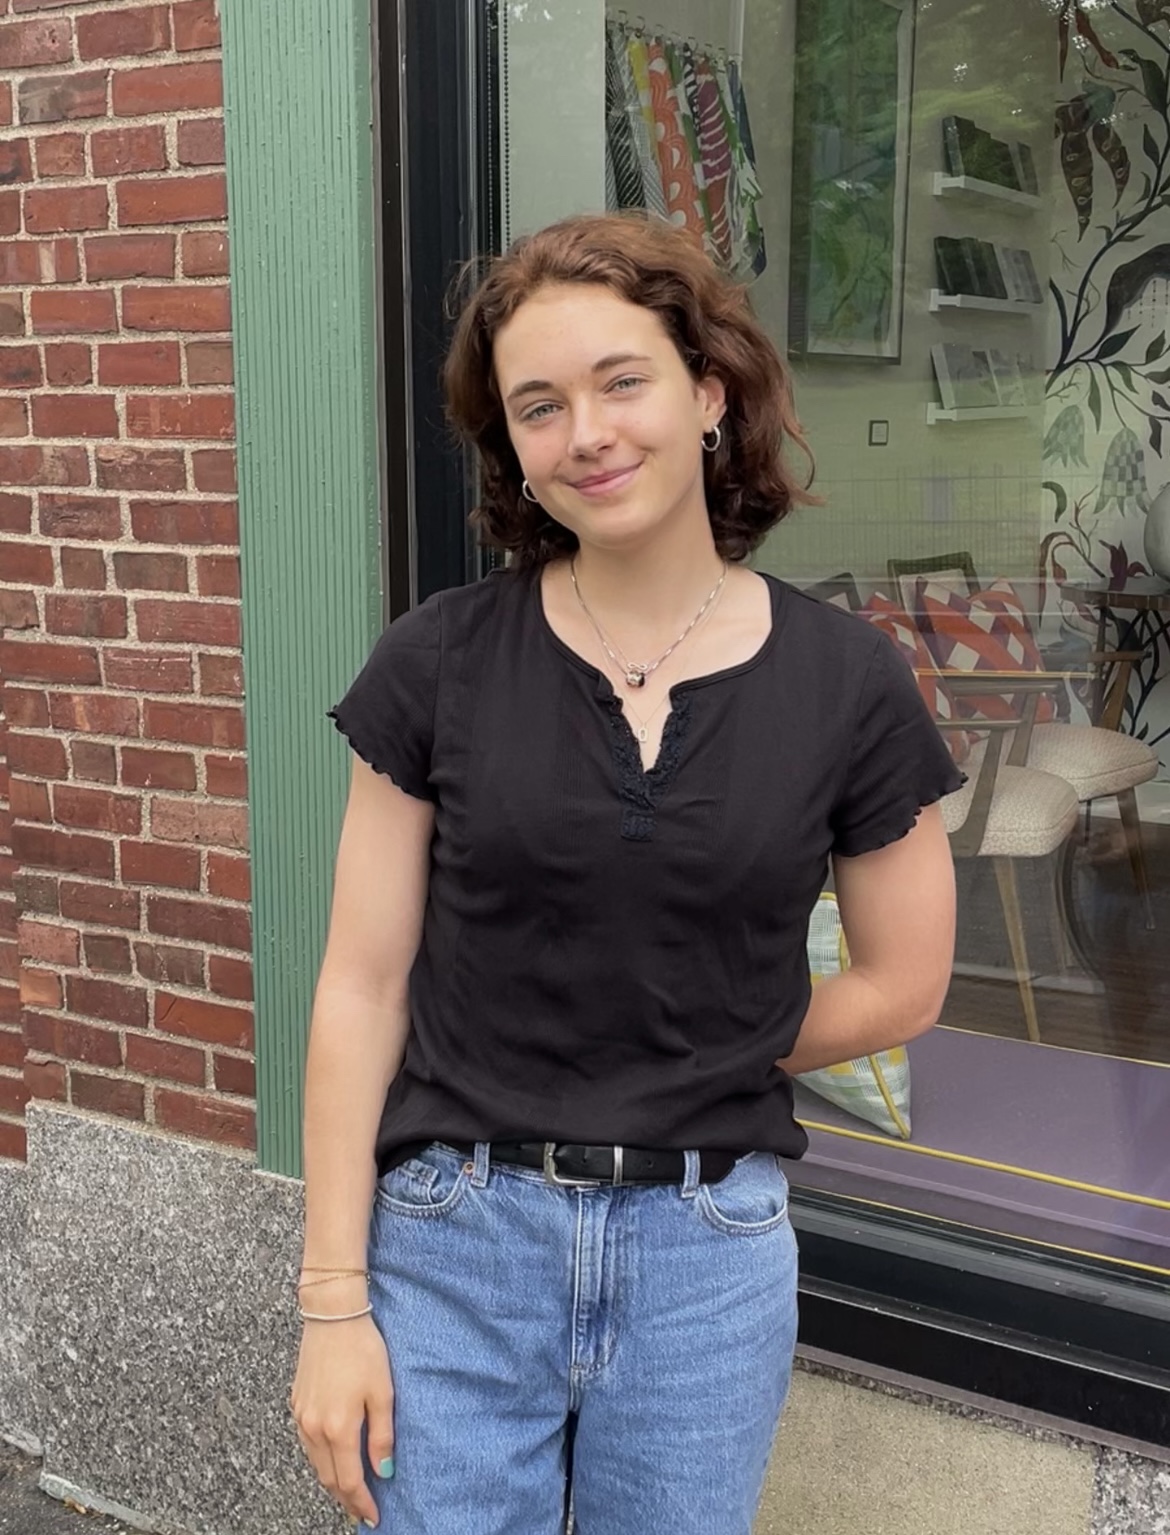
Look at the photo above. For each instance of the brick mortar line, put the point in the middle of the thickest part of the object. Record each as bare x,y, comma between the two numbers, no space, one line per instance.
90,125
84,284
212,53
91,391
124,545
133,981
77,7
154,496
87,442
181,648
196,796
118,1028
179,168
140,935
113,338
206,225
203,849
114,546
30,685
136,1074
129,594
134,742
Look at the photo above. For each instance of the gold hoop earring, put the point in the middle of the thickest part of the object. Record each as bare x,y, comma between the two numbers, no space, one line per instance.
712,447
526,492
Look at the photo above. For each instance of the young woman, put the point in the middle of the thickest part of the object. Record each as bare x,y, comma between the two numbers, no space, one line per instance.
565,990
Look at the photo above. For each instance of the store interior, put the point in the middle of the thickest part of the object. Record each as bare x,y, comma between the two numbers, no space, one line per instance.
953,217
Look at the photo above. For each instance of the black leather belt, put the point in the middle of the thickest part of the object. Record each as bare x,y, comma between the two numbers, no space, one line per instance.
589,1166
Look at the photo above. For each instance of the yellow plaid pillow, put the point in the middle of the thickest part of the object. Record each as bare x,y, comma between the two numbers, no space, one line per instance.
875,1088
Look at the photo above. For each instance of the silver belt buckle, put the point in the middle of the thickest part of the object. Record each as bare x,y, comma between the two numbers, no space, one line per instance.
552,1176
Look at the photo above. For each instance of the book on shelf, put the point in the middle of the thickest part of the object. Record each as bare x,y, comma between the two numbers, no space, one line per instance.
1028,276
991,283
965,378
969,150
1005,371
1025,169
954,270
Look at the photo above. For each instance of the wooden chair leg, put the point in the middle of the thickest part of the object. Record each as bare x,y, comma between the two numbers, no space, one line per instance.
1009,896
1068,906
1058,916
1132,823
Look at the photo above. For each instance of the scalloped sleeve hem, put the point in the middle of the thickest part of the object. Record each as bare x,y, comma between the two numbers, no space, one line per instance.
388,714
399,773
898,761
896,824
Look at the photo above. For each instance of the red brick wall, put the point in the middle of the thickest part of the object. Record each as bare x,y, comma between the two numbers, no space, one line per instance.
125,976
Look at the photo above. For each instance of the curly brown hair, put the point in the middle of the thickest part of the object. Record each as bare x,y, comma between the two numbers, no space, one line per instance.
708,316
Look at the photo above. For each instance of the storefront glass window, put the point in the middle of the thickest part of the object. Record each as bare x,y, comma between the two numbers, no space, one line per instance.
954,218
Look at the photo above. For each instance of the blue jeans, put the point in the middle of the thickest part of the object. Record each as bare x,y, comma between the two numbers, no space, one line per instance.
630,1345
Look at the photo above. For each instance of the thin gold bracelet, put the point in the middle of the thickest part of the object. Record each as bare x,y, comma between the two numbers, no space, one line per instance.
307,1284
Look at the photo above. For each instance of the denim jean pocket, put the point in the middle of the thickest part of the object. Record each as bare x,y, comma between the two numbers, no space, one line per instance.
751,1201
429,1184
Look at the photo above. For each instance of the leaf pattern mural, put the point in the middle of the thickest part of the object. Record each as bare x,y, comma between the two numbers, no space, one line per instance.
1076,158
1109,385
1065,438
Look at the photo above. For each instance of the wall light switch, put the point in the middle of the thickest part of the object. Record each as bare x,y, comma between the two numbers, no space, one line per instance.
879,434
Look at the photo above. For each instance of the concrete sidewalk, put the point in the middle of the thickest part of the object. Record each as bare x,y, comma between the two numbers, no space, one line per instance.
25,1510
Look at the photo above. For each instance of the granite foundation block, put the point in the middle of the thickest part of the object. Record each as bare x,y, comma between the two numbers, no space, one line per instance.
164,1330
18,1410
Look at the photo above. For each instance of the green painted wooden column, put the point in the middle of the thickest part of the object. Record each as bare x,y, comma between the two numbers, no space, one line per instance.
301,197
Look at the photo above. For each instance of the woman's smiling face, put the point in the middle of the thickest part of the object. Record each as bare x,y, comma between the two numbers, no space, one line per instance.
604,415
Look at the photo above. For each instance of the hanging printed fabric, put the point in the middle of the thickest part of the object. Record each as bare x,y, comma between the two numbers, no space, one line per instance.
624,105
707,110
750,257
677,151
623,165
638,60
679,145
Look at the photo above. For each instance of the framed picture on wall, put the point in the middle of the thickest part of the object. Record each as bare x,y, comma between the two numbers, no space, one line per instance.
851,157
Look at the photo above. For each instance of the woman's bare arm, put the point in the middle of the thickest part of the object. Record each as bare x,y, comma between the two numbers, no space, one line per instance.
360,1015
361,1019
898,910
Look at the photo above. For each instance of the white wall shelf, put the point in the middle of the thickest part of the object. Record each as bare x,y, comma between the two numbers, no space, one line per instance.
1018,307
937,413
970,189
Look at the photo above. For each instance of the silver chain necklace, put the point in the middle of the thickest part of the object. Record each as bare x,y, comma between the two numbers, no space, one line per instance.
636,672
643,730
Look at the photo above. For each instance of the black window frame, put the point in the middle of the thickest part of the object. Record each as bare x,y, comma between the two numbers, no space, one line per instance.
440,208
1035,1328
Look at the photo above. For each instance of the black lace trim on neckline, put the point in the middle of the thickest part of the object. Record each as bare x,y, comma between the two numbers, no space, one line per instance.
640,790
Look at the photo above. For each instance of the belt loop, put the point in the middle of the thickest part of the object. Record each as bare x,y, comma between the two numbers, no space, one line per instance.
483,1151
690,1185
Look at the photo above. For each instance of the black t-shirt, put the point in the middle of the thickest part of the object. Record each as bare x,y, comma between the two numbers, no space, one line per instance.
614,956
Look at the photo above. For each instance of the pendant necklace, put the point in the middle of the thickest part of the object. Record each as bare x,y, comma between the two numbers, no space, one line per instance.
634,673
643,730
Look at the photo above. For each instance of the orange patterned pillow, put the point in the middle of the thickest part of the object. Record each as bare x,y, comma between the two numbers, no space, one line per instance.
901,628
987,631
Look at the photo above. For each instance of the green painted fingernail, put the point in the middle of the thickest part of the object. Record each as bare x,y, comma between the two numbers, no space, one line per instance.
386,1468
